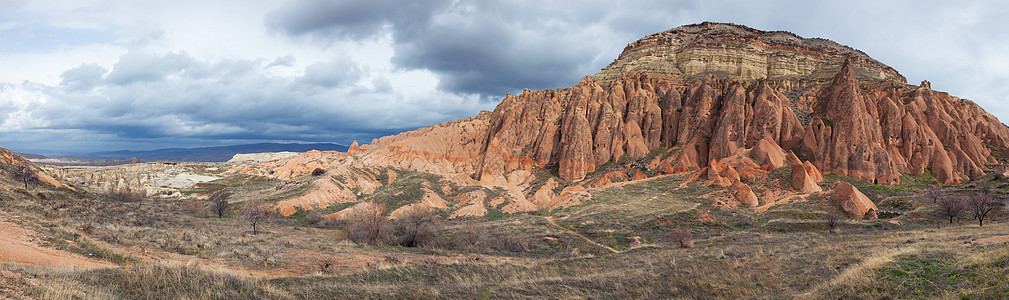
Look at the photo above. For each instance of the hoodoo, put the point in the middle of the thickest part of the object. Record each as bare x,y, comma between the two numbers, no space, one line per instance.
674,102
720,88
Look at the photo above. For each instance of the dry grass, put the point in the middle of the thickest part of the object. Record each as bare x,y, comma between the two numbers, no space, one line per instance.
784,252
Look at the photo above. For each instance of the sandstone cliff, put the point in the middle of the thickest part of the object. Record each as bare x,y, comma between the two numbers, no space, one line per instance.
865,127
675,102
742,51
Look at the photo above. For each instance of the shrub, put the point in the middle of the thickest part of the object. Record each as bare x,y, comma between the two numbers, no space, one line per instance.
832,219
318,172
471,238
126,195
24,174
326,265
517,244
682,237
417,227
369,226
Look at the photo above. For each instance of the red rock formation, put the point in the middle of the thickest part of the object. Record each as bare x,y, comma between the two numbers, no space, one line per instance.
743,194
702,92
869,136
768,153
853,201
10,158
802,181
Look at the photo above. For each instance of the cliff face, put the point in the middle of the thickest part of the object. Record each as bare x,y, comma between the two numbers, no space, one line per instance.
869,130
593,122
726,102
741,51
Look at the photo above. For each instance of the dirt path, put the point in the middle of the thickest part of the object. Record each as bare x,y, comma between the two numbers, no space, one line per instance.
994,239
550,219
15,246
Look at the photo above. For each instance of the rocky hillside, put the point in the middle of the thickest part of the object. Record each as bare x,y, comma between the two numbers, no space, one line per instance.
720,101
10,160
869,128
741,51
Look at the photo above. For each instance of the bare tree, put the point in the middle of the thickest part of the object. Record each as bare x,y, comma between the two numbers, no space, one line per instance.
934,192
219,203
471,238
417,226
24,174
369,226
985,190
126,195
981,205
832,219
681,236
952,208
255,211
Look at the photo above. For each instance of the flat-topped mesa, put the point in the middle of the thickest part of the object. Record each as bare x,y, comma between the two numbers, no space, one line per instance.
723,48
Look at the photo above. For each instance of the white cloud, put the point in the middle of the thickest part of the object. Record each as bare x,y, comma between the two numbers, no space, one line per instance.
144,74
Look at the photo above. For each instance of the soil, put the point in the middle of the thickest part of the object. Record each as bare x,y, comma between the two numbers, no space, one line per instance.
18,247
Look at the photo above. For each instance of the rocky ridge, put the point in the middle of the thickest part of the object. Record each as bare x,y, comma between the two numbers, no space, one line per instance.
669,105
741,51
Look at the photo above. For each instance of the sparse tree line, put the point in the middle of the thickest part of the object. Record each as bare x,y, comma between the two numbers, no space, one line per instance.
981,205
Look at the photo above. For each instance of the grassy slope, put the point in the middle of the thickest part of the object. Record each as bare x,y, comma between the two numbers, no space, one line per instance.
782,252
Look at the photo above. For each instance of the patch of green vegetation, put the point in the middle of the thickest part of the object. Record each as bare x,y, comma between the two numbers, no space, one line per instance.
234,183
649,209
924,180
779,178
494,214
298,190
75,243
406,189
97,252
997,153
875,192
827,122
672,151
382,176
919,276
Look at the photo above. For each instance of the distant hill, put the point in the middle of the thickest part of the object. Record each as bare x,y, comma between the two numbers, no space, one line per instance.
209,154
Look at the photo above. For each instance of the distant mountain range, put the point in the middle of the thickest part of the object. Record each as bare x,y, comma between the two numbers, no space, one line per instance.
204,154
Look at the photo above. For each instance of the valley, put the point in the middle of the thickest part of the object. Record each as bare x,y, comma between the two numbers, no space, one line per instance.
711,160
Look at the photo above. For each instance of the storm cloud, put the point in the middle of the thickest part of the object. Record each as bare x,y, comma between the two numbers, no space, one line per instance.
110,75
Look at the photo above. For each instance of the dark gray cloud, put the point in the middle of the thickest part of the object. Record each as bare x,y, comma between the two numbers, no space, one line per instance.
159,98
335,71
350,19
493,47
480,47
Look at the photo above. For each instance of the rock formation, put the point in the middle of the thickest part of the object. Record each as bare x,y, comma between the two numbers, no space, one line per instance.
803,181
861,121
8,157
741,51
853,202
675,102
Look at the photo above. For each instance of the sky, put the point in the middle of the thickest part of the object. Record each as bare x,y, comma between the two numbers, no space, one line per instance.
100,75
